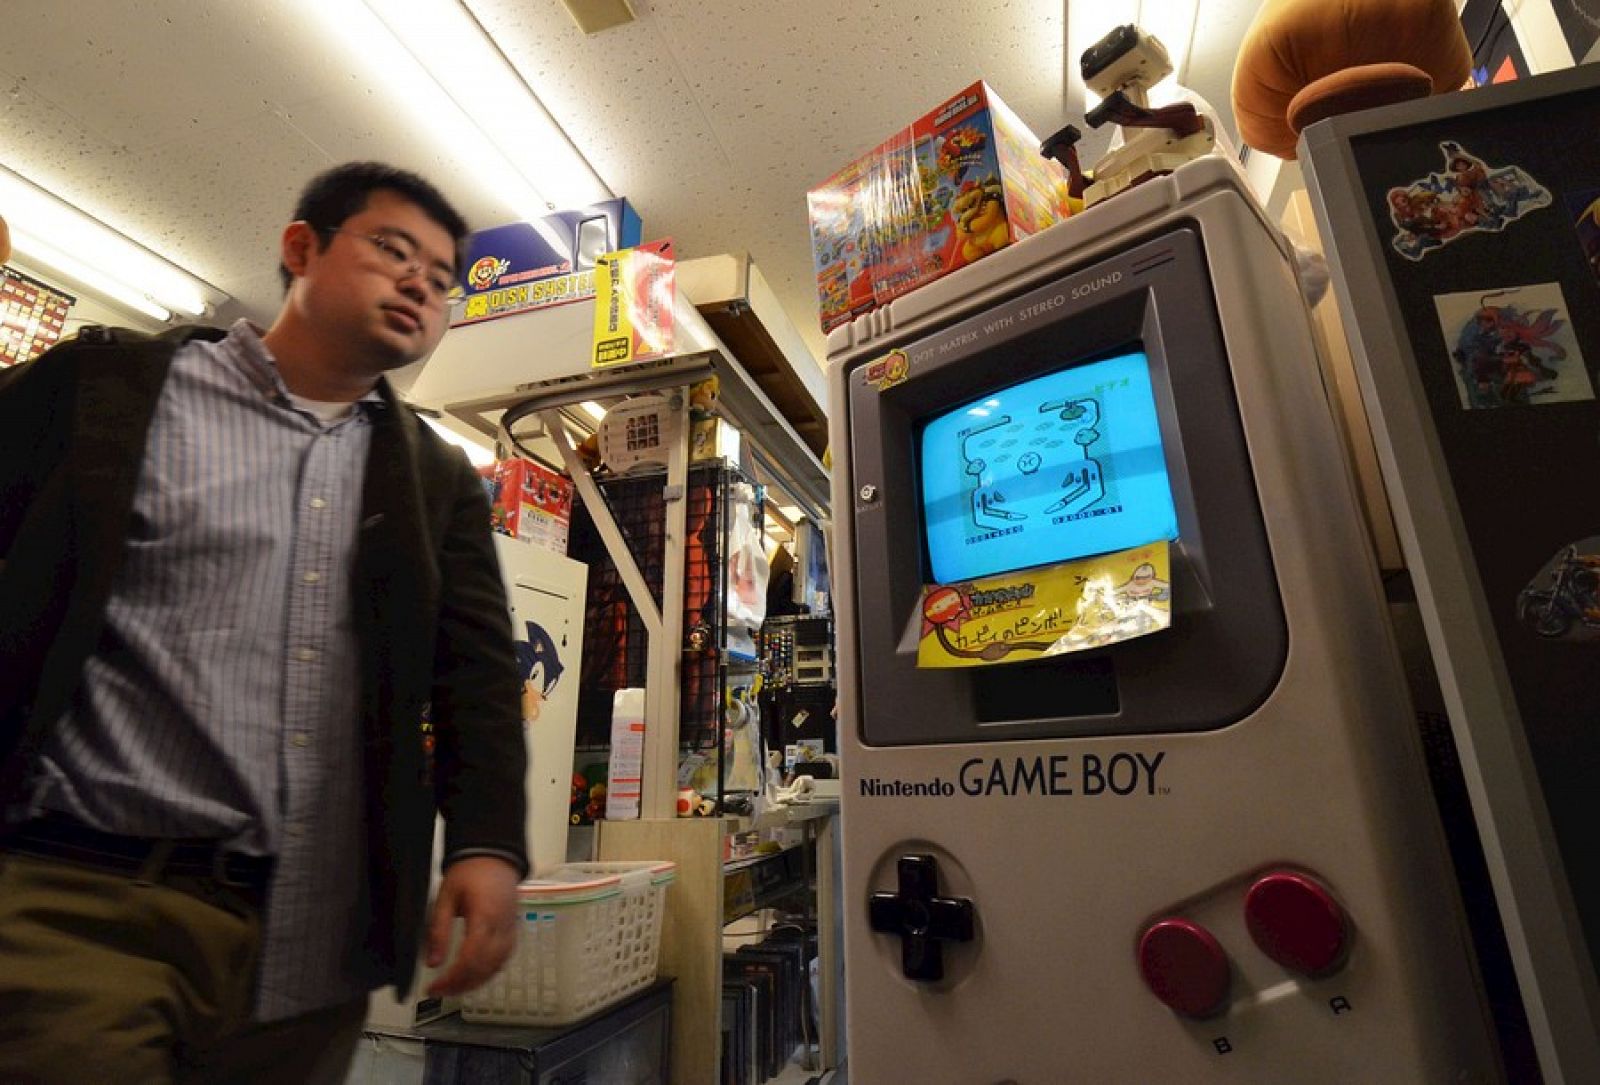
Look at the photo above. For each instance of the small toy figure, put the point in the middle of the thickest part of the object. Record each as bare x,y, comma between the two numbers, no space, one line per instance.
588,803
703,396
1122,67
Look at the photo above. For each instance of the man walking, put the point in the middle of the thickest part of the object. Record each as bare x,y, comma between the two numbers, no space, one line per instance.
236,578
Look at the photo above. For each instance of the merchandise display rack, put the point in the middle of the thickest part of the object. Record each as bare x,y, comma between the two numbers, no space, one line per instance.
692,937
619,648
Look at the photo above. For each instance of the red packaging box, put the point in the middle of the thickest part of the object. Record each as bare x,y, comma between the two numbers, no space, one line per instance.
963,181
530,502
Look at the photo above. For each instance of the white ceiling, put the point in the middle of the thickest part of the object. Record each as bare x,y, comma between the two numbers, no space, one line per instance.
190,126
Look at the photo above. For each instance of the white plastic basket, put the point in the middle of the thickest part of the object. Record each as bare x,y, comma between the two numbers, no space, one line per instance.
589,934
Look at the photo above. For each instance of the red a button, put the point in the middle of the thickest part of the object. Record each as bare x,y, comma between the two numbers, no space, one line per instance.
1296,922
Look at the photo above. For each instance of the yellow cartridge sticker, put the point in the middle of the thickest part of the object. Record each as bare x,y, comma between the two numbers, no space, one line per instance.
1070,607
892,369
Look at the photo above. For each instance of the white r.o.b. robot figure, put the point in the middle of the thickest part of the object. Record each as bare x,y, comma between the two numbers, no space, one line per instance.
1122,67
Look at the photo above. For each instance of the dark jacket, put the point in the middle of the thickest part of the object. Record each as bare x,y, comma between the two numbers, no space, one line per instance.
430,608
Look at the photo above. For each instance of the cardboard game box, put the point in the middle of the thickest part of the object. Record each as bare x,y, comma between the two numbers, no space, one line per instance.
523,266
530,502
962,181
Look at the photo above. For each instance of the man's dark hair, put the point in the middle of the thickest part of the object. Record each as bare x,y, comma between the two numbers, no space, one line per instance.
334,195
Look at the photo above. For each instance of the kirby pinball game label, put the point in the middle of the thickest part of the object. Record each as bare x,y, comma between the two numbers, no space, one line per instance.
1043,612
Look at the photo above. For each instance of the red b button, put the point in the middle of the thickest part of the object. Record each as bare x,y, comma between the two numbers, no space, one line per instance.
1296,922
1185,967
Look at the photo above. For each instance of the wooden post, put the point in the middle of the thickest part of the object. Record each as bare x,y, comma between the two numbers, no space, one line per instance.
691,931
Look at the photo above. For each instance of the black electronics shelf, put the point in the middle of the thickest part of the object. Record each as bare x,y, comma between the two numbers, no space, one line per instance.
630,1040
616,649
763,881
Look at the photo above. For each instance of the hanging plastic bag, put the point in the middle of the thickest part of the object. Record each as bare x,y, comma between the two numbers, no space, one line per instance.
742,748
747,573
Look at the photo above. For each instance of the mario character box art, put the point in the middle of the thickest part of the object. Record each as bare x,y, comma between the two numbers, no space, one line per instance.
523,266
961,182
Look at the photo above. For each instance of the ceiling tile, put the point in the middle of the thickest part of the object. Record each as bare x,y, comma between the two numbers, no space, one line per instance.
358,123
191,126
147,73
715,118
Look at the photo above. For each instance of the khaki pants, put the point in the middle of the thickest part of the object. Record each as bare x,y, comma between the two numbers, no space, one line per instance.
104,978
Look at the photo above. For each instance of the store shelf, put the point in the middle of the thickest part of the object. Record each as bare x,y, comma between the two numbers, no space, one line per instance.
521,377
483,370
797,813
749,885
733,296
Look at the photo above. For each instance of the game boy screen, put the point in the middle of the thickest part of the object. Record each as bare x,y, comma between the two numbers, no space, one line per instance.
1063,466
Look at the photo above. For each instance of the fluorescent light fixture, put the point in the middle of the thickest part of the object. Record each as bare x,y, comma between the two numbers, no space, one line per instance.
1171,21
593,409
60,237
491,118
26,245
479,453
447,39
390,68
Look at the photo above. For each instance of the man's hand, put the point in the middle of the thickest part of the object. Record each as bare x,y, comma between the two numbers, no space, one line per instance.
481,889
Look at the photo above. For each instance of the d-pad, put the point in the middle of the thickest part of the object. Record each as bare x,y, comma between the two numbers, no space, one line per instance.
923,919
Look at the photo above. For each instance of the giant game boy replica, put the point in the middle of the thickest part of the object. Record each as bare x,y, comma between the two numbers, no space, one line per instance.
1203,853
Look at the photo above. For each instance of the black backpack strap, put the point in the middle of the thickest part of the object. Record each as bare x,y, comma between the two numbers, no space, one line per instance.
107,335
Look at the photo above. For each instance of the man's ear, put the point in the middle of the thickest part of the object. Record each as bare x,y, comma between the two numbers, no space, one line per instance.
298,244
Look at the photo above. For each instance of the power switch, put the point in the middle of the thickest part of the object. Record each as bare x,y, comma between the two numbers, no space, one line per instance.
1185,966
1296,922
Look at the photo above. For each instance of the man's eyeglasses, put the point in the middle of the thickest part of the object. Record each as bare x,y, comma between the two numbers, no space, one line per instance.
401,256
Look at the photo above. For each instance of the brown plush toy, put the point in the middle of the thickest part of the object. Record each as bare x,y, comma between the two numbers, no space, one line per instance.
1305,60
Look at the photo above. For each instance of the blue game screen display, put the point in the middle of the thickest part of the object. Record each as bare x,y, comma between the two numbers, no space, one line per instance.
1063,466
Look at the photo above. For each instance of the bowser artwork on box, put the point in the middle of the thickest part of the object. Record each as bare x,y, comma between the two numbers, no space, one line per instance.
963,181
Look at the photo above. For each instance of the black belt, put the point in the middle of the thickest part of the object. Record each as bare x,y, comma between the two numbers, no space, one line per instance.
56,836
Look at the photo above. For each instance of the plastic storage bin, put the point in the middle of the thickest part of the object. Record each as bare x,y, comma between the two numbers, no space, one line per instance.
589,934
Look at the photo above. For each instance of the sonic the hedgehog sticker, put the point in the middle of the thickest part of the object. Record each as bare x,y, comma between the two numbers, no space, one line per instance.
1467,196
1513,347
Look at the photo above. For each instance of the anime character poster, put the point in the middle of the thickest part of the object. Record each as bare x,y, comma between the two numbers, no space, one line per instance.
1584,206
1467,196
1513,347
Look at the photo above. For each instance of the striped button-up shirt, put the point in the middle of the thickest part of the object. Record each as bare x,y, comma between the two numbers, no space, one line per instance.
221,700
